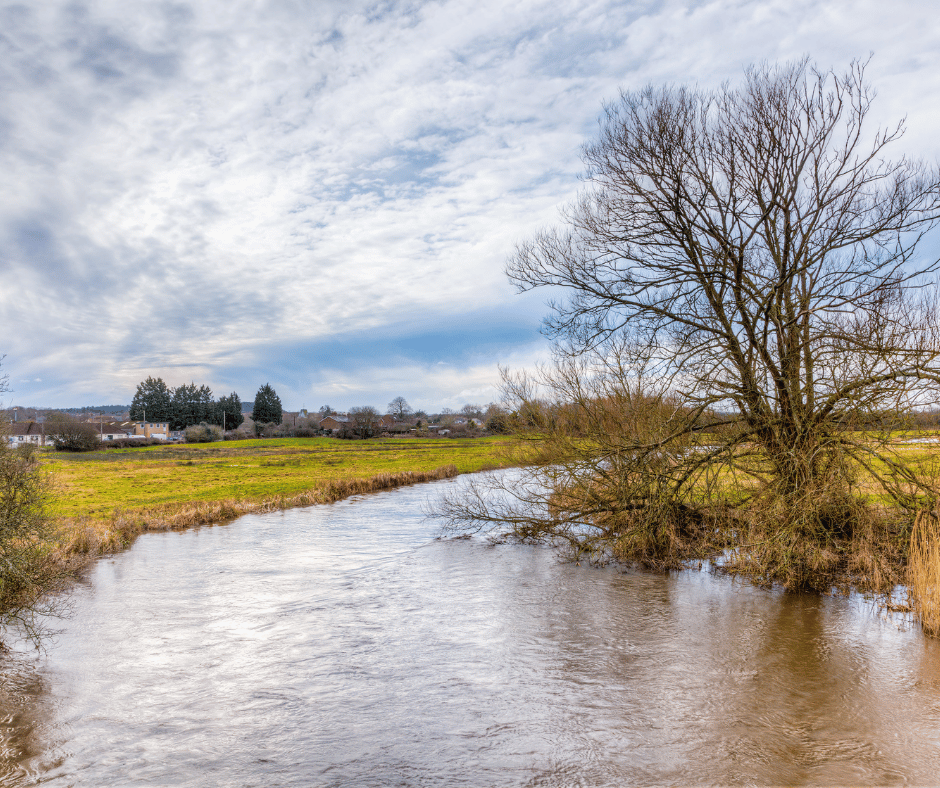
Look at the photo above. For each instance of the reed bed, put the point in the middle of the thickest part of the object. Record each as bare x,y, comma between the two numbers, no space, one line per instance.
81,539
924,571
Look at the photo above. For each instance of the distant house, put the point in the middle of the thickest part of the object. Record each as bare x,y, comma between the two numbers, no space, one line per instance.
389,425
22,432
34,432
112,432
334,423
159,430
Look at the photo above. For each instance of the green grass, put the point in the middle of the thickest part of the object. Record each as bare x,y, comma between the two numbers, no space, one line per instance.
96,484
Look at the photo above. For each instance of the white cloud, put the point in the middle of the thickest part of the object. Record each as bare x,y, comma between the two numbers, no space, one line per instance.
428,387
190,183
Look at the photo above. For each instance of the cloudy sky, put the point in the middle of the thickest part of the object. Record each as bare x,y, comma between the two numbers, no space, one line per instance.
322,195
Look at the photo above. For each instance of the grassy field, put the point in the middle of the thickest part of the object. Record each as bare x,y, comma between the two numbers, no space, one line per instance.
104,499
97,484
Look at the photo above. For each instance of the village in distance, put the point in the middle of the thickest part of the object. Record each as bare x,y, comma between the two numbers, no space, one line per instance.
189,413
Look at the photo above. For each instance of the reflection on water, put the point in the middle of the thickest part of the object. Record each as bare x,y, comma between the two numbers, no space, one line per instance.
343,645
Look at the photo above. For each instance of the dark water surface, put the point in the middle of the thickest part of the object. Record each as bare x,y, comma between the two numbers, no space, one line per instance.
344,645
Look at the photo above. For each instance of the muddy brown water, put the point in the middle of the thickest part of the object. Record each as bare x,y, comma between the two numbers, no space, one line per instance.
344,645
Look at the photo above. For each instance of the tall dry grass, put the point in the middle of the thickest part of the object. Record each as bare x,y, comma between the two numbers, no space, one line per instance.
924,571
81,539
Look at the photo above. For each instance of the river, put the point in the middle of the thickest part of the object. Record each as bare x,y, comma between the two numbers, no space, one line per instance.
345,645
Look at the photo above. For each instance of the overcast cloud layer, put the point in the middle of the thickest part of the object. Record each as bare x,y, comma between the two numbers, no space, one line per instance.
322,195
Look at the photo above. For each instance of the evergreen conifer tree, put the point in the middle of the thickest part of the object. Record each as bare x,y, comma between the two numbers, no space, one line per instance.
229,410
153,401
267,409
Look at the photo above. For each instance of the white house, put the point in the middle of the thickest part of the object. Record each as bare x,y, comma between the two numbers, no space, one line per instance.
21,432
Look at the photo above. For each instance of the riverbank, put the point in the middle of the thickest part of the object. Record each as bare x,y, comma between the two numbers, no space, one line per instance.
103,500
347,645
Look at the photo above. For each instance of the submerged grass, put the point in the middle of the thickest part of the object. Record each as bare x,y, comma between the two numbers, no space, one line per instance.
844,530
924,571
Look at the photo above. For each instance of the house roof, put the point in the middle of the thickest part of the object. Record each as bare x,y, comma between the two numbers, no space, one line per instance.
25,428
113,427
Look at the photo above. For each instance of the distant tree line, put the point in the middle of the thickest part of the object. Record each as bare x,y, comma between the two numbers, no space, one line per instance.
95,409
185,405
192,405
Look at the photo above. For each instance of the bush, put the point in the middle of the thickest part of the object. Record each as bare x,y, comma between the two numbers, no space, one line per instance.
69,434
265,430
29,573
204,433
130,443
499,423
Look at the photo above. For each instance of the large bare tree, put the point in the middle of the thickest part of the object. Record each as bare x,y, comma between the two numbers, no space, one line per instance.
400,409
752,254
363,421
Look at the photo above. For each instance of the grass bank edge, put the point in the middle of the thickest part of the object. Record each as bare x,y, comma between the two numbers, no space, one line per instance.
87,537
84,536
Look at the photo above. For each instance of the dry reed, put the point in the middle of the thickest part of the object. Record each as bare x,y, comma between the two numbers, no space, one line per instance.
81,539
924,571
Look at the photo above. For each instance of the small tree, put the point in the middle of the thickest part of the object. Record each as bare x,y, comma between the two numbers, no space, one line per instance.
497,419
69,434
471,411
399,408
203,433
363,421
228,412
30,577
29,574
267,408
